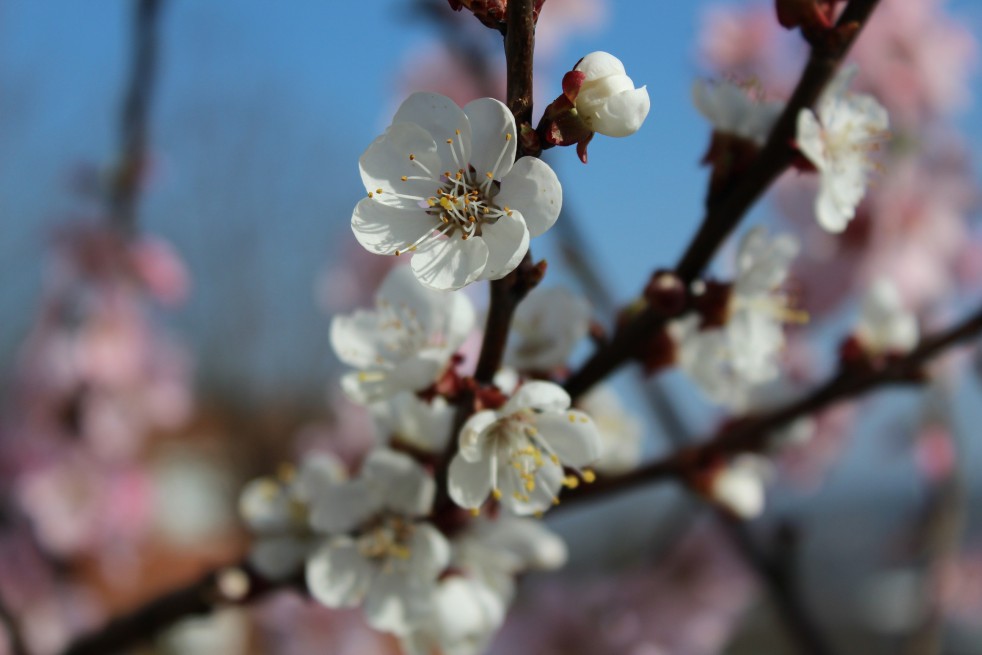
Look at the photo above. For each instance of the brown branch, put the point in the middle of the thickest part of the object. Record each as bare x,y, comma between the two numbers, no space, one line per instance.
231,585
724,213
753,433
134,117
507,292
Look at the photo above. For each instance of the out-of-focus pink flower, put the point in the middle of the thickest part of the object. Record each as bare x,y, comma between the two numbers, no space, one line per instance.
916,59
291,625
94,366
436,69
559,19
158,266
747,44
688,605
78,507
934,452
958,587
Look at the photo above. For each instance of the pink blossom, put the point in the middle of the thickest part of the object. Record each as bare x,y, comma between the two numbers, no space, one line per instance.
916,59
747,44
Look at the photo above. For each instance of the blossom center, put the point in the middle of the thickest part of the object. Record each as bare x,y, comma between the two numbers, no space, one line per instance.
386,541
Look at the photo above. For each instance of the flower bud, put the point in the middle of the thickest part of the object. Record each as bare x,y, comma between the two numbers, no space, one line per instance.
606,100
597,97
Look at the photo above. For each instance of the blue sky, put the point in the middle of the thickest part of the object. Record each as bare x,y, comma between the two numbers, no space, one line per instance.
262,111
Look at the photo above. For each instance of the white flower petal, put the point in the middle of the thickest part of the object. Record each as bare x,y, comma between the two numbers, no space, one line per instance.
396,603
809,138
318,473
467,614
536,394
571,435
403,485
264,505
383,229
337,575
423,424
386,162
449,264
342,507
599,64
533,189
533,544
366,387
516,496
469,483
623,114
442,118
472,443
493,136
429,552
507,240
357,339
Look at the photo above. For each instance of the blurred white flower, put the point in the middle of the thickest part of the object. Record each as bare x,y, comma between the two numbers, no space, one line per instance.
465,617
422,424
275,509
729,360
405,343
378,554
494,552
517,453
607,101
885,325
444,185
547,327
620,431
731,110
839,139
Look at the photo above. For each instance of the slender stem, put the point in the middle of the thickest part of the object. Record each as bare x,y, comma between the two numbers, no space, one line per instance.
232,585
134,118
753,433
724,213
507,292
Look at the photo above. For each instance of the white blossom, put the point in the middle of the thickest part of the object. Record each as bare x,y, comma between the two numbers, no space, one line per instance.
405,343
494,552
885,325
465,617
420,423
517,453
728,361
378,553
547,326
739,486
838,140
275,509
620,431
444,185
731,110
607,101
470,605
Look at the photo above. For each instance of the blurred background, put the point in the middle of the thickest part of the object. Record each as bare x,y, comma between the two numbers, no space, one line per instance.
145,380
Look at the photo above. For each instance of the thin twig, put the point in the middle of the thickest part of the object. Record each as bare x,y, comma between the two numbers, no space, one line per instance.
723,214
753,433
239,584
134,118
508,292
